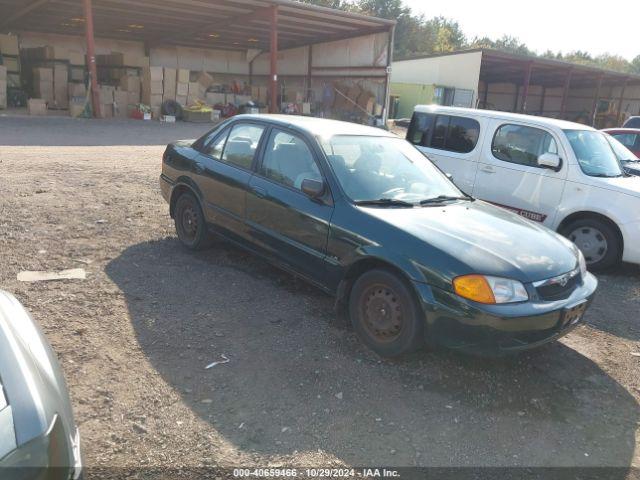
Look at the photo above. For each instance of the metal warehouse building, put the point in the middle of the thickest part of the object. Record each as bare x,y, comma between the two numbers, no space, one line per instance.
489,79
325,61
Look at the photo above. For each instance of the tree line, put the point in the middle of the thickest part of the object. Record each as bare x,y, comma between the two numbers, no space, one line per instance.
418,35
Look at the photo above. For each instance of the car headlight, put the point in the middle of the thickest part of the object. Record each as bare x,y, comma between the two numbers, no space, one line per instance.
490,290
582,262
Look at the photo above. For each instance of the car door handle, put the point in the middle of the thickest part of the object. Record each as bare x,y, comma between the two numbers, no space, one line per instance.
488,169
259,191
198,167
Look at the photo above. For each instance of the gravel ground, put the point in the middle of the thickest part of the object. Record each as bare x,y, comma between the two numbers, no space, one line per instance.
135,336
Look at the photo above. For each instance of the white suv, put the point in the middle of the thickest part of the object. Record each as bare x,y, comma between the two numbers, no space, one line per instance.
561,174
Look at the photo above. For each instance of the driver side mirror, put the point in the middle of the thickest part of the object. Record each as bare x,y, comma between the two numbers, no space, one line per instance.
312,188
552,161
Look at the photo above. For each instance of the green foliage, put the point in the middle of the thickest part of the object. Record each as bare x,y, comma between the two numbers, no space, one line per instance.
415,35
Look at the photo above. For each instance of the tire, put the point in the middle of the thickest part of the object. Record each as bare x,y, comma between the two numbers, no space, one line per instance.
397,326
190,223
598,241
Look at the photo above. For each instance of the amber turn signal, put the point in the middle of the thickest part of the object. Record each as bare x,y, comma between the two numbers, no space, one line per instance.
474,287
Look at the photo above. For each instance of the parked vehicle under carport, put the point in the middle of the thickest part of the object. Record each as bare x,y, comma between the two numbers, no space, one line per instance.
38,435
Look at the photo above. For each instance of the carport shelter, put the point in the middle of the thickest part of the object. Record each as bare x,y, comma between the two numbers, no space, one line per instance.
288,52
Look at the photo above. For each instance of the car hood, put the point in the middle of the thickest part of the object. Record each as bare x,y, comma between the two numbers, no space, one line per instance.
626,185
480,238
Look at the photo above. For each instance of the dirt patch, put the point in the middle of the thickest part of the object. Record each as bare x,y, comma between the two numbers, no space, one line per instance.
135,337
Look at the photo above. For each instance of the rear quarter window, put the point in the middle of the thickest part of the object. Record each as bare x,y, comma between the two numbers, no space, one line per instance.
444,132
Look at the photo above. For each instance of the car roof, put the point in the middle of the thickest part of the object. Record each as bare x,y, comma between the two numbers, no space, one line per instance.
550,122
622,130
318,126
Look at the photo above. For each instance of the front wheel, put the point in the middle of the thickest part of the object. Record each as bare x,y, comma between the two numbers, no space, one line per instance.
191,226
597,240
385,315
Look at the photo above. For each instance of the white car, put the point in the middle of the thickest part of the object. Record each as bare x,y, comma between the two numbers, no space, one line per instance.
564,175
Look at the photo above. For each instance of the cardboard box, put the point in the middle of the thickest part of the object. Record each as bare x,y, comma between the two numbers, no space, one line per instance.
133,98
76,57
196,91
205,80
37,106
182,89
155,74
41,75
106,93
106,110
44,91
130,83
155,112
9,45
182,99
61,97
183,75
155,101
77,90
11,64
169,77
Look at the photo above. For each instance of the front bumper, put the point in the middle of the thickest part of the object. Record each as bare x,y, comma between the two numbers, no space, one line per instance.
457,323
166,187
631,237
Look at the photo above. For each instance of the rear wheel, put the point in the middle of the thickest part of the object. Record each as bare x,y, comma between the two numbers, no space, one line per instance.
385,315
597,240
190,223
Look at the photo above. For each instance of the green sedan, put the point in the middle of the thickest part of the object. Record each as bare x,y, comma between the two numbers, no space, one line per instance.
363,215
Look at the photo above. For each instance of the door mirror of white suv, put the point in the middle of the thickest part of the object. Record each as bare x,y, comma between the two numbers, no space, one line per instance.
551,161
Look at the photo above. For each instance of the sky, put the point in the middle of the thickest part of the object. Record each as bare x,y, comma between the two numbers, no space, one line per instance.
566,25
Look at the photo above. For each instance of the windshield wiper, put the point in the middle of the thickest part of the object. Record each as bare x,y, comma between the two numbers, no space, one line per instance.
444,198
384,202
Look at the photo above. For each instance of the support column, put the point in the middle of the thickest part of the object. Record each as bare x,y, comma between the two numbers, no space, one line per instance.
624,87
273,82
516,101
594,110
91,58
485,95
309,73
387,78
527,81
565,93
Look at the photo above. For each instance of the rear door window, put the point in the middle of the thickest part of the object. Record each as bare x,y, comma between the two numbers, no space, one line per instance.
240,148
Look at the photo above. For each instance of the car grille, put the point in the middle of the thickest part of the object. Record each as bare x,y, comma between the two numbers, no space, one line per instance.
559,288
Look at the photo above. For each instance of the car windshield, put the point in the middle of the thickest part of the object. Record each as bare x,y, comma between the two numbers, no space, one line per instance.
388,170
594,153
622,153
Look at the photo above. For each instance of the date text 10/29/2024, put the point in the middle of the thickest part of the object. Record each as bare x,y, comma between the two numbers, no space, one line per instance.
315,473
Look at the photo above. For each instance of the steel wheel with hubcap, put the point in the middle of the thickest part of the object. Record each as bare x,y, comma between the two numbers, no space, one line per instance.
597,240
385,315
190,223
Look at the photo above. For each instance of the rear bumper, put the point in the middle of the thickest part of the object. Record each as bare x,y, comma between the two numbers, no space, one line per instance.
456,323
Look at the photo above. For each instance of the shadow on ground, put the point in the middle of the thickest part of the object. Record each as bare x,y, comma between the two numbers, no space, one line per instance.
621,288
296,382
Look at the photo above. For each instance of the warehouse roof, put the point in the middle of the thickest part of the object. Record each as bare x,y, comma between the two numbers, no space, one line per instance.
504,67
223,24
